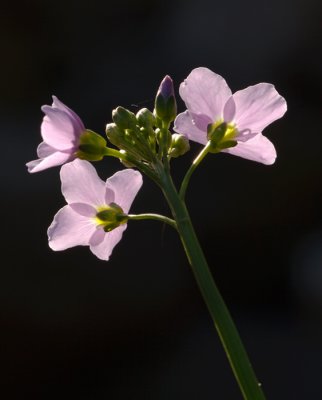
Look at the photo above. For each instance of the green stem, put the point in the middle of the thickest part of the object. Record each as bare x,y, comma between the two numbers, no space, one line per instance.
190,171
228,334
156,217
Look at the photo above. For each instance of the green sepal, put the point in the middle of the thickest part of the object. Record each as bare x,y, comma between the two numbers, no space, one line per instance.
216,132
165,108
91,146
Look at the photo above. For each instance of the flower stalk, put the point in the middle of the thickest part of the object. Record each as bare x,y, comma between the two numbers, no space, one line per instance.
226,329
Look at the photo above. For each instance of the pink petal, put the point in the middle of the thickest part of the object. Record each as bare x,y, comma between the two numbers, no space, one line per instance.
84,209
81,184
78,123
44,150
259,149
183,124
125,185
57,158
257,106
58,129
205,92
69,229
97,237
104,249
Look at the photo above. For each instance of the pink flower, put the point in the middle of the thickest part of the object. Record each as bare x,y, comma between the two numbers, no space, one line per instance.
247,112
95,214
61,129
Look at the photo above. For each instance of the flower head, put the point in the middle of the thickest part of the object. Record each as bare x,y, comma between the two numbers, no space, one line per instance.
210,102
96,211
61,130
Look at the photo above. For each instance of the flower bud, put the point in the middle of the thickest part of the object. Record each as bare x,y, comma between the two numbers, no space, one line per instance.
123,118
91,146
179,145
114,134
145,118
165,101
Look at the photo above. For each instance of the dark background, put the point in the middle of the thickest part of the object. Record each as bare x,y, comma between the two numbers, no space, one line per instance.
136,327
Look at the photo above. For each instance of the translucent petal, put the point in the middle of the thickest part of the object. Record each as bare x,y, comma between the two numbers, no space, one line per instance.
257,106
259,149
81,184
69,229
57,158
125,185
103,249
205,92
183,124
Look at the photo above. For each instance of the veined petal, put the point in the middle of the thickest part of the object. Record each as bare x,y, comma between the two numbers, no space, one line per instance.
77,122
205,92
69,229
58,129
57,158
257,106
184,124
259,149
125,185
103,249
81,184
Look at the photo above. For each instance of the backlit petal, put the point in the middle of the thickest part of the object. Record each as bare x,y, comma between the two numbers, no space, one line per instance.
205,92
58,129
104,249
57,158
81,184
257,106
69,229
183,124
259,149
125,185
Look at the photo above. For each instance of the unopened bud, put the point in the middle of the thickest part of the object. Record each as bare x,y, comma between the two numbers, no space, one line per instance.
165,101
114,134
179,145
145,118
123,118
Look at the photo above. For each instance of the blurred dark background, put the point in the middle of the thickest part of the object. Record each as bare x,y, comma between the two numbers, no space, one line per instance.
136,327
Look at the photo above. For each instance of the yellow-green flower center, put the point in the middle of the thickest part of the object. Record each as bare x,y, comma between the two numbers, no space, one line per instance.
110,217
222,135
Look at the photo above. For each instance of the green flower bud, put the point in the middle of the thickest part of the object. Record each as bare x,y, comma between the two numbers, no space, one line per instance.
123,118
165,101
145,118
91,146
114,134
179,145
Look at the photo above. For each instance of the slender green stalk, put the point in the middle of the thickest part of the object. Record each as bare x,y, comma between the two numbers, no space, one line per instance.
190,171
228,334
156,217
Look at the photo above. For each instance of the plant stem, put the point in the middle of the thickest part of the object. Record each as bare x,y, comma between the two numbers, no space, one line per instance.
190,171
228,334
157,217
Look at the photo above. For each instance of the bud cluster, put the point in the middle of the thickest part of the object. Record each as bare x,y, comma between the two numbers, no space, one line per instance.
133,134
145,136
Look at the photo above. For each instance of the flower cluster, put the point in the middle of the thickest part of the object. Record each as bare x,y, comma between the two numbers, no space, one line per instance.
96,213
